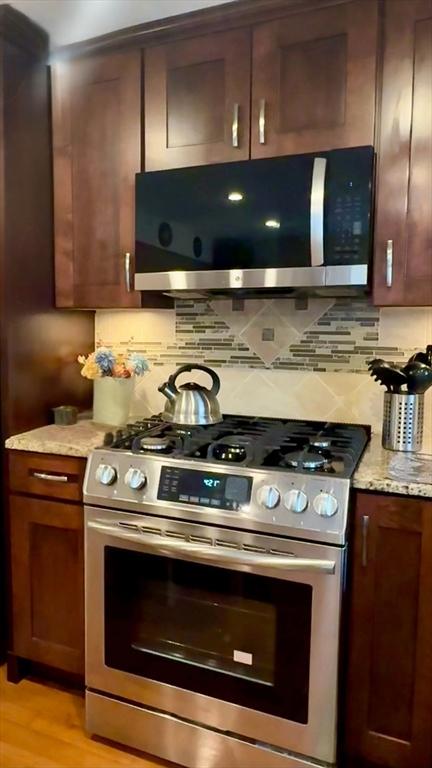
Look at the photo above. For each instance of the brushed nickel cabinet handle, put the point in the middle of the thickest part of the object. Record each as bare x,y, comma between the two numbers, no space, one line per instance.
235,126
127,271
51,478
365,530
389,264
261,121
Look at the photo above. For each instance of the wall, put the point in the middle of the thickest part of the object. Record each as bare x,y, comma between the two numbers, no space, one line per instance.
282,357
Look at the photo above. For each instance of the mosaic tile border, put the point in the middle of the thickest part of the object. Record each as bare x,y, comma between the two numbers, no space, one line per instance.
321,335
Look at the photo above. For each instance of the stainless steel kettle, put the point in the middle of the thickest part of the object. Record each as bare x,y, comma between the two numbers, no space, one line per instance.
191,403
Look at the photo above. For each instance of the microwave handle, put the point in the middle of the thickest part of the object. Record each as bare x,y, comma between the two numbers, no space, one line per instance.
317,211
162,545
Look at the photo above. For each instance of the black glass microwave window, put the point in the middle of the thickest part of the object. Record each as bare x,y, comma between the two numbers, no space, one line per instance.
235,636
253,214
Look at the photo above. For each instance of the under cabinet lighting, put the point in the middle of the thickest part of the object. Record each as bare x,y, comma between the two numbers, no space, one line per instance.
272,224
235,197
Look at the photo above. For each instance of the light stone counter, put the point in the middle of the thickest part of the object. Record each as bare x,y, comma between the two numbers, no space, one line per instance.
393,471
75,440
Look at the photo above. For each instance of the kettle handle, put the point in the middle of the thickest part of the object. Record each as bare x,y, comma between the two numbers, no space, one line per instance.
190,367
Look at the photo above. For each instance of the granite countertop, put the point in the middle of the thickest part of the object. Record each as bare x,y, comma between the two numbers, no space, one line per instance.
379,469
75,440
394,471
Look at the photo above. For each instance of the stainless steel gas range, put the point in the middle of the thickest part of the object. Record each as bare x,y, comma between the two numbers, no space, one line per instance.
215,561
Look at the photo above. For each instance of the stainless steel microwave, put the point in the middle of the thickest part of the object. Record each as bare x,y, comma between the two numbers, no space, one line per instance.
297,222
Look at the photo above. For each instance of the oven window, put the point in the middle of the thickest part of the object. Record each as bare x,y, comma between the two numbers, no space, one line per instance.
231,635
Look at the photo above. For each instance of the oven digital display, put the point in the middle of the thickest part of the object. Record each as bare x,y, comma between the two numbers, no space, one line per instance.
207,489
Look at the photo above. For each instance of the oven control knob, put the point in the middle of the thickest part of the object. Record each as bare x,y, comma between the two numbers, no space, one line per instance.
296,501
269,496
325,505
106,474
135,479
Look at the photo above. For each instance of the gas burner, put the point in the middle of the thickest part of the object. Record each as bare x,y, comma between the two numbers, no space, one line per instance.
233,449
185,431
320,443
307,460
156,444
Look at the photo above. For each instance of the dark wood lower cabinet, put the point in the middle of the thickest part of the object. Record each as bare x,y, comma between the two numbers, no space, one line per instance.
389,686
47,582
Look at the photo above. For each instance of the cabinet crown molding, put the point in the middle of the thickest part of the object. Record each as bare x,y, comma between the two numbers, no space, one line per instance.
200,22
16,28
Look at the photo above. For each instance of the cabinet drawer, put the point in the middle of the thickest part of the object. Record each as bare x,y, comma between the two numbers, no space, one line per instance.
38,474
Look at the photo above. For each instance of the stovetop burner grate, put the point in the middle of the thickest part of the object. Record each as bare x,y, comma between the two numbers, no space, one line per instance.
300,446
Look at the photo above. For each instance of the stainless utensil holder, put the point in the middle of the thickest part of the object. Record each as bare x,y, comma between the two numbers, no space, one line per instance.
403,422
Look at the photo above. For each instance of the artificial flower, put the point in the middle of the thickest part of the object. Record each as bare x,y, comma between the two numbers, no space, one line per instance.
138,364
91,370
121,372
105,359
106,363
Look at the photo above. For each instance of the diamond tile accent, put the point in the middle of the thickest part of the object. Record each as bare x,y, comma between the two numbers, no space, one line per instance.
301,319
238,320
269,350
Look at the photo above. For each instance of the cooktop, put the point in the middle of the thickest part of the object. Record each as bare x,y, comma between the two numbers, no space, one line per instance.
255,442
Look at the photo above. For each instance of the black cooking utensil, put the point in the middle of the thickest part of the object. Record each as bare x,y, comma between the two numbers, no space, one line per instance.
375,362
422,357
418,376
389,376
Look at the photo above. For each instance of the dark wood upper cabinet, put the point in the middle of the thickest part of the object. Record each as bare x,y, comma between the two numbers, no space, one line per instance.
97,152
389,696
197,101
313,80
403,234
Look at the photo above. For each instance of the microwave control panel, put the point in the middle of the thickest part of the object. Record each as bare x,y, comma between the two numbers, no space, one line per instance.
348,206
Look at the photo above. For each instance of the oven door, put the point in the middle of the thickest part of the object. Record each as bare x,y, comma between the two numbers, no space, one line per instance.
237,631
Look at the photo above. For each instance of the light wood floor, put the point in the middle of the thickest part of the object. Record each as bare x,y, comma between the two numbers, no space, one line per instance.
42,726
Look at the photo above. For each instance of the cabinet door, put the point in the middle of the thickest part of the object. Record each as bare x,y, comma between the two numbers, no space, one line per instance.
403,236
47,576
389,695
97,147
197,101
313,80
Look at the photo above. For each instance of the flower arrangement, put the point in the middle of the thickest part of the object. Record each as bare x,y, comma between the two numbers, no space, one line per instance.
106,363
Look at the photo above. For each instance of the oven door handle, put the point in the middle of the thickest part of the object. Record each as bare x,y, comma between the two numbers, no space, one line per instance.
162,545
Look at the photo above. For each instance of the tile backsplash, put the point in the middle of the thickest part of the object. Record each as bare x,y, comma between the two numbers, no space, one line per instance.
282,357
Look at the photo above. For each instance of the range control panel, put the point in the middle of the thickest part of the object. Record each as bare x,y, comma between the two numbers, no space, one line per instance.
310,506
206,489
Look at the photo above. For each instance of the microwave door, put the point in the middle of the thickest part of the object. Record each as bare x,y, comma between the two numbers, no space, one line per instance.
249,225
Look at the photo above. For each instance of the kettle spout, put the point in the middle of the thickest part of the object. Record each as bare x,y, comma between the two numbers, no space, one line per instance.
169,390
